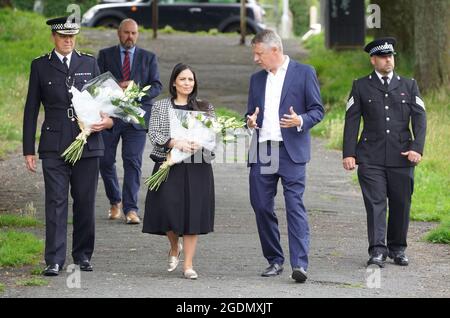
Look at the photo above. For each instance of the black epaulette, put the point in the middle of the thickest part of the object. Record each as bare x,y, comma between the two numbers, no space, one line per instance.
83,53
43,56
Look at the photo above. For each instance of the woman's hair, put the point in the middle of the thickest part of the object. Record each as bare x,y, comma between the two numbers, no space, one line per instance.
192,98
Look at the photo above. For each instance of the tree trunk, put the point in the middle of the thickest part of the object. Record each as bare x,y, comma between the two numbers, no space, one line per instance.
5,3
397,20
432,43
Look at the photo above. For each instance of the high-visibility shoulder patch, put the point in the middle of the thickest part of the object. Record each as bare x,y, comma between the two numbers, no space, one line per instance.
350,103
420,102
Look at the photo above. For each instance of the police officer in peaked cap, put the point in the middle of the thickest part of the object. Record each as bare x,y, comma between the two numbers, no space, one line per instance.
387,150
51,78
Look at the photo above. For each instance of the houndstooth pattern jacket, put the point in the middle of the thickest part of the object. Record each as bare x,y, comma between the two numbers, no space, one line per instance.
159,127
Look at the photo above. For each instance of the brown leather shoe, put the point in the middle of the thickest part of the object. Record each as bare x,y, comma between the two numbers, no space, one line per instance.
132,218
115,212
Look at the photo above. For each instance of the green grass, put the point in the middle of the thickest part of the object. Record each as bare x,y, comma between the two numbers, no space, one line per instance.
441,234
23,36
18,249
32,282
10,220
336,72
223,111
36,271
431,199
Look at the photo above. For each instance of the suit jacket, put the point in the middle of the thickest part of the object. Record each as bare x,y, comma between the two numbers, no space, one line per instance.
300,90
144,71
387,116
49,84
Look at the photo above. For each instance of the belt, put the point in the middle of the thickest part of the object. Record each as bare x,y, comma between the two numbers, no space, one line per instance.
60,113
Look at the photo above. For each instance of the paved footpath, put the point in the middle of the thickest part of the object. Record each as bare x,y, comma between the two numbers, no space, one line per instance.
128,263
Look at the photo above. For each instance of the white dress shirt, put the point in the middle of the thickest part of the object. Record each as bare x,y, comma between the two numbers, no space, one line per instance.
389,77
60,56
270,129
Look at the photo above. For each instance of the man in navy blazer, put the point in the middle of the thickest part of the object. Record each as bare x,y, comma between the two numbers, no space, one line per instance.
127,62
284,103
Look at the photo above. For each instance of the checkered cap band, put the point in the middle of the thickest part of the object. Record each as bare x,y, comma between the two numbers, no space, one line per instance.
385,47
65,26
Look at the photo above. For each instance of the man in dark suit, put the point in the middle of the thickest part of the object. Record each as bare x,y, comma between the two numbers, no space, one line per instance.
386,152
284,103
51,78
127,62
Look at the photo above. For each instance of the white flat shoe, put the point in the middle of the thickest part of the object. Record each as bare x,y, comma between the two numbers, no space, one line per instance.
190,274
174,260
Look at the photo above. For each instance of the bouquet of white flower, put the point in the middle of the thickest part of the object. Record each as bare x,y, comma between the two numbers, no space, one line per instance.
198,127
103,95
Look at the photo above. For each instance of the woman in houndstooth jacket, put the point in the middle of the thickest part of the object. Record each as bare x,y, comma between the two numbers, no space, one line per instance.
184,204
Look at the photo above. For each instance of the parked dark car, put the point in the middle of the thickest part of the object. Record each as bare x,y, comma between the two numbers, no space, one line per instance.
183,15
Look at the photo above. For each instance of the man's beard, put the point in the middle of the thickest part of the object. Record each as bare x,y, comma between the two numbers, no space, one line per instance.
128,44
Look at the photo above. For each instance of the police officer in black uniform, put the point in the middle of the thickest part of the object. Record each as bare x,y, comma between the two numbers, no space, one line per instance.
51,78
387,151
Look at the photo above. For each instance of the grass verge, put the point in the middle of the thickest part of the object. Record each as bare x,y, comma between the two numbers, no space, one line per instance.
23,36
32,282
10,220
19,248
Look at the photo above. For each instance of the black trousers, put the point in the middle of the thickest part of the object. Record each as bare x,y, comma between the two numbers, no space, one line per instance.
382,186
82,179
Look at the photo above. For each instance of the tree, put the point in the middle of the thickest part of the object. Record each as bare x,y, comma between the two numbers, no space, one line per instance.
432,43
422,30
5,3
397,19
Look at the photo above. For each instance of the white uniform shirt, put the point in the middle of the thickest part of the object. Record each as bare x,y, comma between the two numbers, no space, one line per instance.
381,77
60,56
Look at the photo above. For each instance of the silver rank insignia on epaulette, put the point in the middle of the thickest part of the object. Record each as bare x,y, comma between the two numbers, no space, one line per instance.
370,76
38,57
82,53
350,103
420,102
398,77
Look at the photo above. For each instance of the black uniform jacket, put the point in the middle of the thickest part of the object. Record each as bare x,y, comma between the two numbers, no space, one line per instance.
49,84
388,116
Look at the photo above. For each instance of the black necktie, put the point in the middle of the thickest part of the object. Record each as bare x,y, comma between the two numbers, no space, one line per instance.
66,67
385,84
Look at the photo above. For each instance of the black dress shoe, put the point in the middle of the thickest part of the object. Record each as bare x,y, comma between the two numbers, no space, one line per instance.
52,270
299,275
85,266
399,258
272,270
377,259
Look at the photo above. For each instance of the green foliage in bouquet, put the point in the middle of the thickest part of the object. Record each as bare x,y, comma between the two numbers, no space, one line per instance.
130,102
